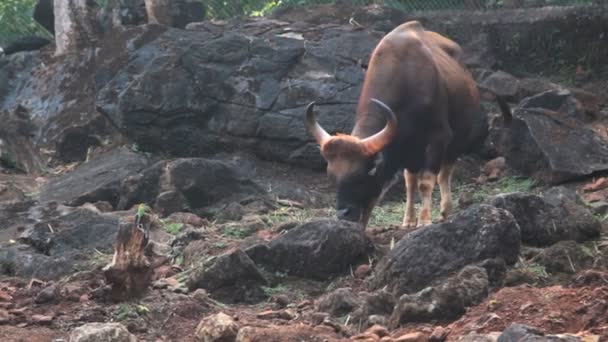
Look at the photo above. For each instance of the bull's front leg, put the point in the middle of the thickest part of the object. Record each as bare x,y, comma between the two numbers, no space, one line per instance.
425,186
411,183
445,188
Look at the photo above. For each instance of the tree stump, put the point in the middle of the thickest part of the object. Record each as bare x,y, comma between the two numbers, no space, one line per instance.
130,271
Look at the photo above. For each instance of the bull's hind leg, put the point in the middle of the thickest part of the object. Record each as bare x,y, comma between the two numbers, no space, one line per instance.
426,185
445,187
411,183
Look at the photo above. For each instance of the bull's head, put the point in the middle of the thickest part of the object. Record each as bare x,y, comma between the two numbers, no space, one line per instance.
354,164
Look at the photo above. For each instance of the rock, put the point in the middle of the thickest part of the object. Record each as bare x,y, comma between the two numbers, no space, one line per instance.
193,183
339,302
565,257
230,278
444,302
373,307
176,13
286,314
412,337
378,330
294,332
217,328
249,103
367,337
543,128
439,334
426,255
96,180
362,271
70,243
5,317
231,212
475,337
503,84
41,319
94,332
47,295
518,332
317,249
555,216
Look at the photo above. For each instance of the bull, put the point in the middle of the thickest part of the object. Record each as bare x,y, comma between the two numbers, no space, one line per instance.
416,112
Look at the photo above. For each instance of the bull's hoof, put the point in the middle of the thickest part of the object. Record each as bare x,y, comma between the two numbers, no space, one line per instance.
409,224
424,223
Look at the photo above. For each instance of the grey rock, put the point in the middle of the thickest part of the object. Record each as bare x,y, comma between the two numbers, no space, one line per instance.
339,302
426,255
446,301
565,257
550,140
317,249
231,278
96,180
555,216
107,332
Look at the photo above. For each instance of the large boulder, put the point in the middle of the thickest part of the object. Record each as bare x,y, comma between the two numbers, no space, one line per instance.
96,180
317,249
557,215
57,240
430,254
252,100
230,277
550,140
186,184
444,302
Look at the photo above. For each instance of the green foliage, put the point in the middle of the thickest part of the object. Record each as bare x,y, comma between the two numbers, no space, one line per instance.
16,21
173,228
235,232
125,311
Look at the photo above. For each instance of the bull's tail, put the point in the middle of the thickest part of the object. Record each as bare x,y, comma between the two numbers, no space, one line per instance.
502,104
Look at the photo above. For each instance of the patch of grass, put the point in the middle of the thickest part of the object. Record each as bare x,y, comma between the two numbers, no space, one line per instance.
275,290
503,185
173,228
292,214
219,245
235,232
125,311
536,272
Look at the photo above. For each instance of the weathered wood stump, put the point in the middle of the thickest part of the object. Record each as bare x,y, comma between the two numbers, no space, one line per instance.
130,271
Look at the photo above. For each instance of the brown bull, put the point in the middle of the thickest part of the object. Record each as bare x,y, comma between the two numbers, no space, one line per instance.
415,113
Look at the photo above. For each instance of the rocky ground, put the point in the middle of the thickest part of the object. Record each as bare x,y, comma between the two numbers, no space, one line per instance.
242,240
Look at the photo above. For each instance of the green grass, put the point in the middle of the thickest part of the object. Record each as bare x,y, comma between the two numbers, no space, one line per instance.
235,232
505,184
125,311
173,228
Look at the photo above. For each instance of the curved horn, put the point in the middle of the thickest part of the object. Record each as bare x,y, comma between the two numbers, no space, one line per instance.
376,142
321,136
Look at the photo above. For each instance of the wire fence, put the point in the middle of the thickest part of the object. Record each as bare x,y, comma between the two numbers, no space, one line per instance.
16,15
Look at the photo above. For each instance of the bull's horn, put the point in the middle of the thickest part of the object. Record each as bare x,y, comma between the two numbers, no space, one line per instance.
376,142
321,136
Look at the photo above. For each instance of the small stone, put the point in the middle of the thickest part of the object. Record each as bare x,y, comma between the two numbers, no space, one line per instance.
201,295
377,320
318,317
47,295
217,328
94,332
286,314
4,316
387,339
378,330
362,271
303,304
41,319
439,334
281,300
18,312
5,297
412,337
366,337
